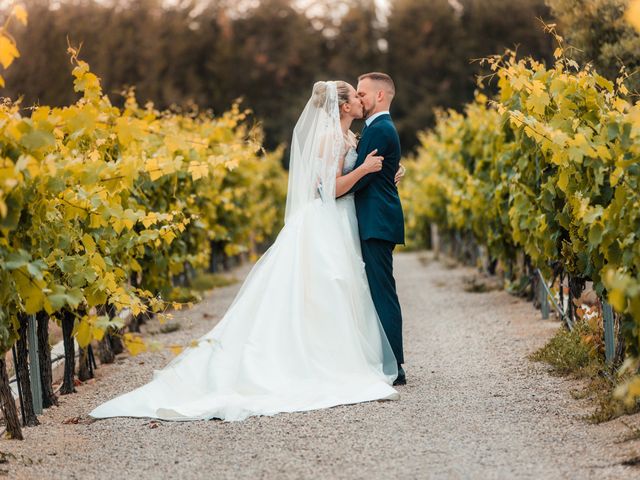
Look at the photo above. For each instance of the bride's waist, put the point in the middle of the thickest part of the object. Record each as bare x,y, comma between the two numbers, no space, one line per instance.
347,197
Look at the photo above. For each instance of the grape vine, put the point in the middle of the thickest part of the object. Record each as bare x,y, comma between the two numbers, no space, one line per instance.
102,207
549,167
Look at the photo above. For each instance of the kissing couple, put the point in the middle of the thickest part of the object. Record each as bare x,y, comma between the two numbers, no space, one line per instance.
317,322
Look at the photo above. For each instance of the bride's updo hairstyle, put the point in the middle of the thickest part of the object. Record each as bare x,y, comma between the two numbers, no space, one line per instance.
319,96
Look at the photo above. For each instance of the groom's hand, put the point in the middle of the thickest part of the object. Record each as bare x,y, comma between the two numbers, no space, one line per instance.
399,173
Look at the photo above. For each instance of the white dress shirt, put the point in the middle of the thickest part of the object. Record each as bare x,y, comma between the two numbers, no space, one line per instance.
374,116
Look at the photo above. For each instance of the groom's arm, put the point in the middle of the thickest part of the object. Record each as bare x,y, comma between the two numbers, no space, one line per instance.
374,141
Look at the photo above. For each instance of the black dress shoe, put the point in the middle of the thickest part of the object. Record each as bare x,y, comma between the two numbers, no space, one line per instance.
401,379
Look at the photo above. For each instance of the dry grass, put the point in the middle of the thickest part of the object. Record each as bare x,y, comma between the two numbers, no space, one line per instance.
576,354
208,281
481,284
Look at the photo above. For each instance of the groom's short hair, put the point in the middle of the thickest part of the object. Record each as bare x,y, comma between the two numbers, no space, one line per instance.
380,77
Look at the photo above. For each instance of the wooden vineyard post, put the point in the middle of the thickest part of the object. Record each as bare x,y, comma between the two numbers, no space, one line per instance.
542,297
34,366
547,301
435,239
544,302
609,334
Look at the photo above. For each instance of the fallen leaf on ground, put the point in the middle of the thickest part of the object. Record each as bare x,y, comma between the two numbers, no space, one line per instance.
79,420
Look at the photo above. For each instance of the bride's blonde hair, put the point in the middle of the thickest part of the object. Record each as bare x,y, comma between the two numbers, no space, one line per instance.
320,93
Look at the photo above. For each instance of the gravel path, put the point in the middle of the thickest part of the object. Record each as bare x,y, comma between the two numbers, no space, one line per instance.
474,407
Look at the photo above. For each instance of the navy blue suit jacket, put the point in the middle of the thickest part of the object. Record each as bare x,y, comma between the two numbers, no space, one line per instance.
378,206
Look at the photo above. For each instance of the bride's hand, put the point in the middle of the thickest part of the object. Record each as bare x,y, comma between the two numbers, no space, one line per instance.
373,162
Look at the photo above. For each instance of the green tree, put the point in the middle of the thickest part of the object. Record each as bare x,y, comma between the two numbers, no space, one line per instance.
427,60
492,25
600,34
359,45
277,55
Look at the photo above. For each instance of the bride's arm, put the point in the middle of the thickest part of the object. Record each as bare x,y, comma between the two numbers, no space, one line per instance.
371,164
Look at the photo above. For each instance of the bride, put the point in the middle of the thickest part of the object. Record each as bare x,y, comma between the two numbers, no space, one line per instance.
302,333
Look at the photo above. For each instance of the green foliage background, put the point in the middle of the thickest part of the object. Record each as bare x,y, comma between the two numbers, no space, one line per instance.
212,52
600,35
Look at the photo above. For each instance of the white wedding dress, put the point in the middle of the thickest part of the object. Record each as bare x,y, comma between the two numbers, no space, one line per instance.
302,333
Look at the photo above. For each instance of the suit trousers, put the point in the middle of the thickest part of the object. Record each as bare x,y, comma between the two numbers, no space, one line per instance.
378,258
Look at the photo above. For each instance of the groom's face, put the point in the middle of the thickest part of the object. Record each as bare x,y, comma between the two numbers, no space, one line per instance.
367,95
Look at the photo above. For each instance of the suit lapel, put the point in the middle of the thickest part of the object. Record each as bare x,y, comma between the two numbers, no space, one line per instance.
362,137
366,127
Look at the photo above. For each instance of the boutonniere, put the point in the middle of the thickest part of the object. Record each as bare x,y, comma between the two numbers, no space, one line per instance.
358,135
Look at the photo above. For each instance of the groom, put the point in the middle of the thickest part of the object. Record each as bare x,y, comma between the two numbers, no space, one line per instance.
378,207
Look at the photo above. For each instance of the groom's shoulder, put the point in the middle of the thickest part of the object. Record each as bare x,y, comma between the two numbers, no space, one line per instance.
384,128
383,124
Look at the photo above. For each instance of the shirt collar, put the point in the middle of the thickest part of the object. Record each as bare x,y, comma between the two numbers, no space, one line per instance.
374,116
